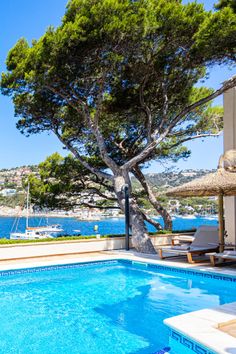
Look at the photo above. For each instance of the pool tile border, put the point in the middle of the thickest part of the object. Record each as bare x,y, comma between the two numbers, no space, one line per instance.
188,343
9,272
203,274
198,273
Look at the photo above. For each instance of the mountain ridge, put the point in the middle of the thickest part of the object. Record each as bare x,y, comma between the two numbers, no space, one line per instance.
172,178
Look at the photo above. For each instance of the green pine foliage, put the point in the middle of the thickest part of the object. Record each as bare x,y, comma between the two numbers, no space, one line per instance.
116,83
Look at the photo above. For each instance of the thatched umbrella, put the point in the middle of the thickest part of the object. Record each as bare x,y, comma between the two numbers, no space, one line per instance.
221,183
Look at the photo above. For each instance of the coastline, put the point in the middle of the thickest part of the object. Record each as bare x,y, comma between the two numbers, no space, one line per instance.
15,214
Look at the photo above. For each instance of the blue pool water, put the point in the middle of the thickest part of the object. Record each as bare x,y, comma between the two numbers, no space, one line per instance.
106,308
106,226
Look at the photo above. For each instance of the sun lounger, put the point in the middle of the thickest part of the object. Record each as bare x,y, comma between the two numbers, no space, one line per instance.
182,239
205,240
226,255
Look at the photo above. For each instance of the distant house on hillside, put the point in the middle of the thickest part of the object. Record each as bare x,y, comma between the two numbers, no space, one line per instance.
7,192
189,174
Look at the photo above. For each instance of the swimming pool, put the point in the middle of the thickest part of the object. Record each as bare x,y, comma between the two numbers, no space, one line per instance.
110,307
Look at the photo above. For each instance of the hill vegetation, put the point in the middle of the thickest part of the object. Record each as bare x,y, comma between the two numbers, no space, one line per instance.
12,180
171,179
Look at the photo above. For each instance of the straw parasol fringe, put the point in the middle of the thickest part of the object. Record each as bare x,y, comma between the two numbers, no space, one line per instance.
220,183
212,184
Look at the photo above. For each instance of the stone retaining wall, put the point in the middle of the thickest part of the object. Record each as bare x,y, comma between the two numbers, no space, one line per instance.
41,249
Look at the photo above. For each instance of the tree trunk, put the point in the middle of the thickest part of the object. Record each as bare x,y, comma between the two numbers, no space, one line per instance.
151,221
168,224
151,197
140,238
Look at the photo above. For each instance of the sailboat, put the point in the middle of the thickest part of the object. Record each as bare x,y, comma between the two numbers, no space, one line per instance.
34,233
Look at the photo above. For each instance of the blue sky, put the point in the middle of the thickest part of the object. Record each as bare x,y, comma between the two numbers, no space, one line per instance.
29,19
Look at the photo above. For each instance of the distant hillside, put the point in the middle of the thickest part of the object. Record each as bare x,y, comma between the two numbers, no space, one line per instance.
12,178
12,193
171,179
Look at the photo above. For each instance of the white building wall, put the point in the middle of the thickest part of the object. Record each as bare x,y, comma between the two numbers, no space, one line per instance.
230,143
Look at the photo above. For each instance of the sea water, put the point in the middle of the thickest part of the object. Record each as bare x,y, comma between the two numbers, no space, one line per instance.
105,226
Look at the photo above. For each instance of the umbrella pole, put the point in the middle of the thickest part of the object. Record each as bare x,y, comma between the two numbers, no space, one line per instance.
221,222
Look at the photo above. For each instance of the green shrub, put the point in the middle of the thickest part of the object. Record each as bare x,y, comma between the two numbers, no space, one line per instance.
5,241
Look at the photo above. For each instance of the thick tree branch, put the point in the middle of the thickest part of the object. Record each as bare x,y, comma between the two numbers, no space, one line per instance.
165,105
144,153
226,86
94,126
146,109
68,99
150,147
163,212
98,173
101,182
199,136
100,194
151,221
98,206
92,123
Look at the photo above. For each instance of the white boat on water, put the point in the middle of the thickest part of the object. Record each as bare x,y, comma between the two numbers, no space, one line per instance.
56,228
188,216
30,235
210,217
38,232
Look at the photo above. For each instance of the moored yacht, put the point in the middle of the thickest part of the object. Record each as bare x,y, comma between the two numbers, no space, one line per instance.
29,235
38,232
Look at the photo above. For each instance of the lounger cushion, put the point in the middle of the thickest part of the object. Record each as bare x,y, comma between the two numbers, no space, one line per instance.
206,240
184,238
205,235
181,247
229,253
181,251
